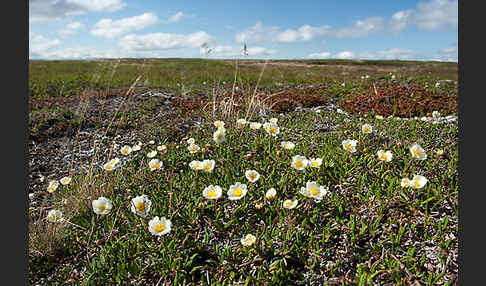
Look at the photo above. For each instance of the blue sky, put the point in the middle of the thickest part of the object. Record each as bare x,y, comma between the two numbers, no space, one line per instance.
305,29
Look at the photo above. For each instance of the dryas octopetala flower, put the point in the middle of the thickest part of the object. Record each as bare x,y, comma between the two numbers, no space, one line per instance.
435,115
252,175
191,141
313,190
151,142
219,136
271,128
299,162
136,148
248,240
315,162
418,182
193,148
439,152
126,150
289,204
155,164
255,125
287,145
141,205
102,206
196,165
53,185
152,154
384,156
212,192
405,182
237,191
65,180
380,117
241,122
159,226
271,193
218,124
54,216
349,145
418,152
208,165
366,128
161,148
273,120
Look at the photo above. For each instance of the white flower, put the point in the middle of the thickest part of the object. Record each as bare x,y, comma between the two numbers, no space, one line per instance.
65,180
208,165
141,205
424,118
340,111
42,178
439,152
380,117
366,129
126,150
315,162
393,77
196,165
252,175
114,161
221,129
161,148
109,166
418,182
219,136
155,164
271,128
287,145
289,204
349,145
159,226
241,122
212,192
151,142
367,76
193,148
191,141
54,216
255,125
313,190
248,240
237,191
53,185
102,206
405,182
437,84
273,120
435,114
299,162
136,148
271,193
343,84
384,156
152,154
219,124
418,152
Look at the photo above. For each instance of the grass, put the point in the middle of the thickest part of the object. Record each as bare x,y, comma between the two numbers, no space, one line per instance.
367,229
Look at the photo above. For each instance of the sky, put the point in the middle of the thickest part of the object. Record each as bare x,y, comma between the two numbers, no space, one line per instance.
304,29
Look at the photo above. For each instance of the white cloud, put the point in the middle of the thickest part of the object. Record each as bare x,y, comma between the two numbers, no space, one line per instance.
230,51
304,33
45,10
163,41
71,28
450,54
322,55
259,33
256,33
393,54
176,17
39,46
110,29
344,55
433,15
361,28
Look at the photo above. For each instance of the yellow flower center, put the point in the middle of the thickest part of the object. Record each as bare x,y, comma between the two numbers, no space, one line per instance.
273,130
208,167
299,164
384,156
288,204
314,191
140,206
416,183
109,167
252,177
237,192
315,164
212,194
219,136
155,165
366,129
101,207
193,148
348,147
417,152
159,227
